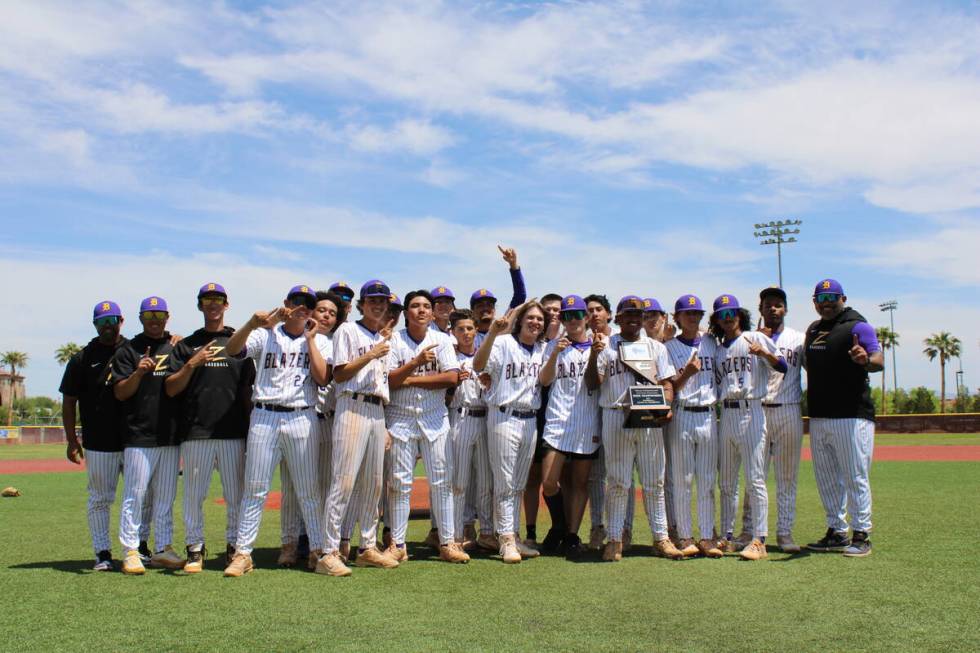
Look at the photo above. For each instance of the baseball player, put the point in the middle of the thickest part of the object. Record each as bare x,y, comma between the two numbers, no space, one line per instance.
85,384
692,433
784,425
151,457
742,384
422,367
443,305
656,326
359,435
291,360
572,431
512,363
213,393
839,350
330,312
483,303
345,292
629,448
552,304
468,433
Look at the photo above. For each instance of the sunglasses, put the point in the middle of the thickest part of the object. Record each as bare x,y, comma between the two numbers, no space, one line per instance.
303,300
568,316
822,297
727,314
210,301
109,320
159,316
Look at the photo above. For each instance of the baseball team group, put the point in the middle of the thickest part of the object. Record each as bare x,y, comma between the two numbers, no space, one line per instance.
501,406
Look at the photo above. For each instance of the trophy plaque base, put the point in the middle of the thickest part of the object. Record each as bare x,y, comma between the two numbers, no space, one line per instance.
647,407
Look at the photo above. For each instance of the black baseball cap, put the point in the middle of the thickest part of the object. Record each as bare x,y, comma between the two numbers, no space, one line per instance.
775,291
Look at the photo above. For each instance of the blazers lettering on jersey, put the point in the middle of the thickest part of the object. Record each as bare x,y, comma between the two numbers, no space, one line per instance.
699,390
282,361
351,340
413,409
514,370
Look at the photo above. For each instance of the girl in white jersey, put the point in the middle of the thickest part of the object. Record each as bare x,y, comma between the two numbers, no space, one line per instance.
513,363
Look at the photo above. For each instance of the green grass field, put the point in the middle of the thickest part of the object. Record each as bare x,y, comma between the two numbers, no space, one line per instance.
918,591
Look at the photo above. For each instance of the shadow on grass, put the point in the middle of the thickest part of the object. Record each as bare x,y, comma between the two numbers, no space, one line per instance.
67,566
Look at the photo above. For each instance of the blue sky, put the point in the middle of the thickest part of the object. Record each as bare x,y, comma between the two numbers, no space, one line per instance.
620,147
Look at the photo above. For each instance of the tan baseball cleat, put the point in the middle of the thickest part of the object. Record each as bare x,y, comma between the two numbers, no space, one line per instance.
167,559
132,565
613,551
488,542
453,552
756,550
508,549
195,561
709,549
287,555
786,544
666,549
597,537
372,557
240,565
332,565
397,553
525,550
688,547
313,559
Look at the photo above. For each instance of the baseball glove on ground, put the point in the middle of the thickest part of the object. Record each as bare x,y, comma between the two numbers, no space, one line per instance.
10,492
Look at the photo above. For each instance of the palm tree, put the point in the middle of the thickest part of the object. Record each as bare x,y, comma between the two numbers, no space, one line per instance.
14,359
64,353
945,346
887,339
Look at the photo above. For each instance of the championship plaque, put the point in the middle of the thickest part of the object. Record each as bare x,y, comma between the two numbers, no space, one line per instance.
647,402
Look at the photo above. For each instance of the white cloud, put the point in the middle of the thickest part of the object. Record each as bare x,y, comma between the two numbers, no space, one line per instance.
945,251
413,136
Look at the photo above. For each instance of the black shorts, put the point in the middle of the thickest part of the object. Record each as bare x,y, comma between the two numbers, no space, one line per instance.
539,446
544,446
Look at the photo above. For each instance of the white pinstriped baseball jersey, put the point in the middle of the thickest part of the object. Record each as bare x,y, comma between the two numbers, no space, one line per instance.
618,377
737,372
282,367
350,340
326,400
469,393
700,389
572,417
514,370
785,388
419,409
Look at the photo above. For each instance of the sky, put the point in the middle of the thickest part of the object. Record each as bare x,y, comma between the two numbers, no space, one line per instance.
620,147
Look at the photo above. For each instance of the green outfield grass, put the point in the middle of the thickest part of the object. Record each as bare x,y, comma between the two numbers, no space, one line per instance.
918,591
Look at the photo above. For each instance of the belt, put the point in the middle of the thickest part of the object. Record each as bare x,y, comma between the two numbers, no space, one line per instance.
275,408
696,409
520,414
472,412
735,403
320,415
369,399
772,405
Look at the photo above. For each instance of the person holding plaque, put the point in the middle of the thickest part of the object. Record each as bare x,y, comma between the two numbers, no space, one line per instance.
633,374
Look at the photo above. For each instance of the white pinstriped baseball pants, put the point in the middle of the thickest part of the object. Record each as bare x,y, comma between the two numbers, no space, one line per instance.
437,458
102,469
200,459
510,444
358,458
626,449
784,440
471,467
742,441
291,524
597,493
842,450
144,468
693,439
272,436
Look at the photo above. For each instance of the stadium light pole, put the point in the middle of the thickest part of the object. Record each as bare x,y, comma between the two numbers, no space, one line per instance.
778,232
890,306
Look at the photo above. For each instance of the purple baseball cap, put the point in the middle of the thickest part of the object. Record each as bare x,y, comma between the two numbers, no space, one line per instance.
301,290
629,303
688,303
650,304
828,285
153,303
440,292
572,303
480,295
394,300
211,289
342,289
725,301
375,288
106,309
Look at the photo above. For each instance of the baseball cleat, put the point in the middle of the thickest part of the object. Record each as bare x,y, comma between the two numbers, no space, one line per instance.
832,541
860,546
709,549
195,560
453,552
332,565
372,557
786,544
167,558
432,539
613,551
597,537
552,541
288,555
666,549
573,547
627,539
144,551
756,550
469,538
240,565
312,558
488,542
397,553
508,549
743,540
229,553
132,564
103,561
525,550
302,546
344,551
688,547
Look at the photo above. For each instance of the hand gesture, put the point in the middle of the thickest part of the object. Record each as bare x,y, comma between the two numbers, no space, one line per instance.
755,348
425,356
502,324
764,329
312,328
268,319
858,353
174,339
562,344
510,255
146,364
388,440
75,452
465,373
485,381
693,365
201,356
667,331
598,343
